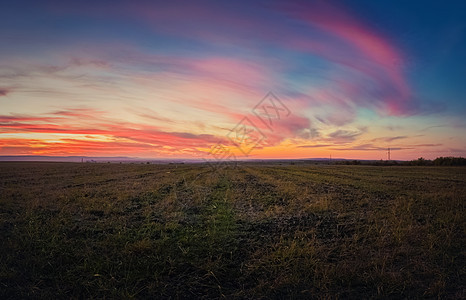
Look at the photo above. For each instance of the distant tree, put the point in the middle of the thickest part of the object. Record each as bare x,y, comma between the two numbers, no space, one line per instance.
421,161
450,161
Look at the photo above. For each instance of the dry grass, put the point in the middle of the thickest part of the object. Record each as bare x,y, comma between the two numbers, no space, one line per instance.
256,231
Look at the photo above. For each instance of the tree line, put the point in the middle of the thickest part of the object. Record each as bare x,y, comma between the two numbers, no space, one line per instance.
439,161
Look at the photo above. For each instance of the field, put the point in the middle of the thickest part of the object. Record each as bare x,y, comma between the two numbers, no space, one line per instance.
71,230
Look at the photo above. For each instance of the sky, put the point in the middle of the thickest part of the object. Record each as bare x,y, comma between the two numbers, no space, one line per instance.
233,79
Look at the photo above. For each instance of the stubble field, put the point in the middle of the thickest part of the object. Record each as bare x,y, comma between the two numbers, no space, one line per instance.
72,230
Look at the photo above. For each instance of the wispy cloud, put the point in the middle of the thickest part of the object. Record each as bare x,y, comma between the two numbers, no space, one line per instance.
389,139
64,125
368,147
315,146
345,136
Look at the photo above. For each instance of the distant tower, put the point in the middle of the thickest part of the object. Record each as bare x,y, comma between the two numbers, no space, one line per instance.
388,153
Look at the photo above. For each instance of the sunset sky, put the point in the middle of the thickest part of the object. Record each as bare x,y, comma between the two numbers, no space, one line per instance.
172,79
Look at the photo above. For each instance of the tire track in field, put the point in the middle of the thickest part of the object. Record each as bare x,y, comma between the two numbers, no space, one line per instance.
212,237
348,189
252,195
264,228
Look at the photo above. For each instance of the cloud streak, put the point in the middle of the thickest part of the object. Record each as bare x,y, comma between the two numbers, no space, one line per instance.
365,52
107,135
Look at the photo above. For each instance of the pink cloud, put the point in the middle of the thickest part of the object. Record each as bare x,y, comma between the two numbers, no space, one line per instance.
365,51
332,34
118,134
